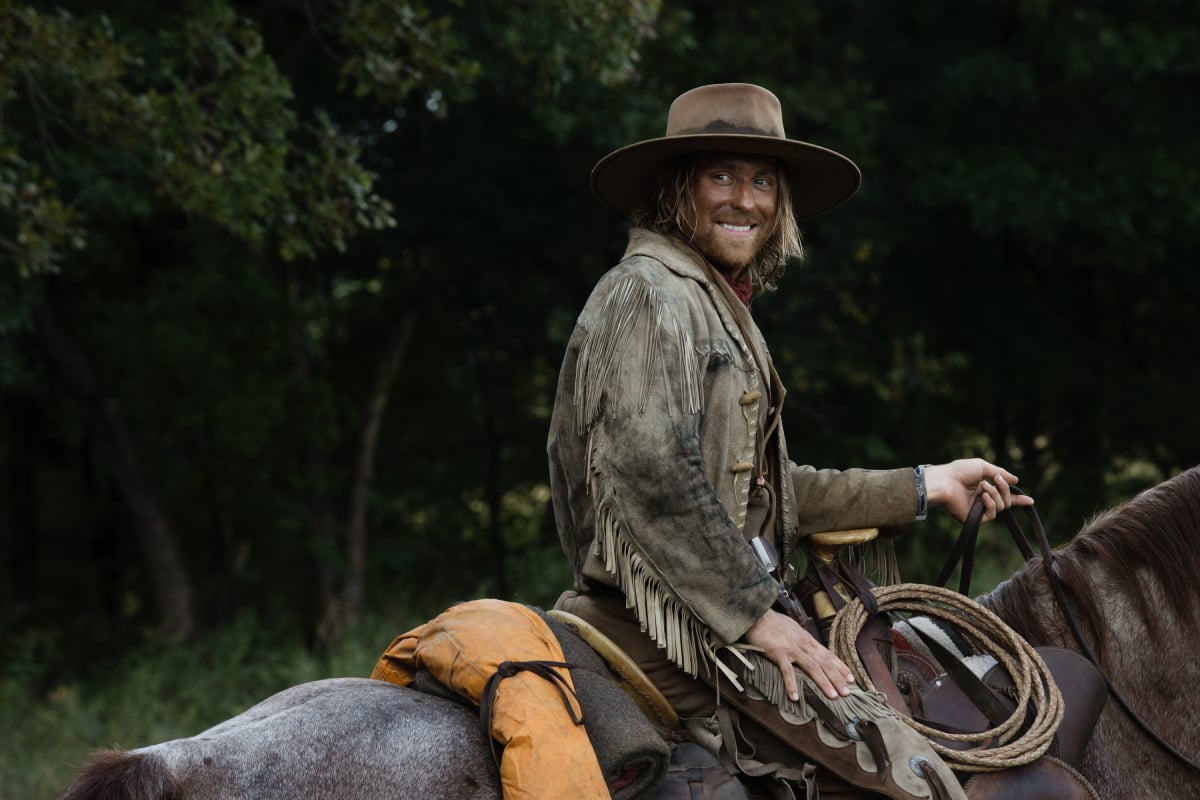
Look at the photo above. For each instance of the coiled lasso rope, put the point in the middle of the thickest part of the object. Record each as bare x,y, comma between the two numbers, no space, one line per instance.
991,635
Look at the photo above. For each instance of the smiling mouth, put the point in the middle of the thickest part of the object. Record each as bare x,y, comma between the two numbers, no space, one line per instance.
736,228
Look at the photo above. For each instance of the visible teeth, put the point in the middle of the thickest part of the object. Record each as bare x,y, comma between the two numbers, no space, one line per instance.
738,228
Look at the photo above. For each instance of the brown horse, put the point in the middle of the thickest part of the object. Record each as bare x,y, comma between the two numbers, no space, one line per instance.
1131,577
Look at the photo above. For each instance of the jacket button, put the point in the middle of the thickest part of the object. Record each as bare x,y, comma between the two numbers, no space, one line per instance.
742,466
749,397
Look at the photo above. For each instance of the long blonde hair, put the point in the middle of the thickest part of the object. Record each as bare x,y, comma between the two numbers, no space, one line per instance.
674,212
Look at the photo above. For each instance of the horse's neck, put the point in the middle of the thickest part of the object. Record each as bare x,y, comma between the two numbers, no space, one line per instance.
1025,602
1159,676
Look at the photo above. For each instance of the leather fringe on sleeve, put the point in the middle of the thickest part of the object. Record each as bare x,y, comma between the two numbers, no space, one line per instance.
635,316
633,311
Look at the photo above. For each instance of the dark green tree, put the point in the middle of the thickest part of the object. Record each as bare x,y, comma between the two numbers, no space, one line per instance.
207,300
286,284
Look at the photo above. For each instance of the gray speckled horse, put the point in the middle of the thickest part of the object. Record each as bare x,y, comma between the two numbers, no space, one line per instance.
352,738
344,738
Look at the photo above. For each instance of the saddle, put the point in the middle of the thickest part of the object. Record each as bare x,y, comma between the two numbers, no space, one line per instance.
929,674
915,681
932,696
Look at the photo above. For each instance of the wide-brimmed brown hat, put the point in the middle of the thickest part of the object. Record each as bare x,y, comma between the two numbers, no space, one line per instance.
734,118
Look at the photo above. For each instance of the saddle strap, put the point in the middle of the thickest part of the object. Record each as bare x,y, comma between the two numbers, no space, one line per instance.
980,693
872,641
507,669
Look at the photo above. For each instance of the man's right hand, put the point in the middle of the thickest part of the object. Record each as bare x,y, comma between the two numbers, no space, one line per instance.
956,485
787,644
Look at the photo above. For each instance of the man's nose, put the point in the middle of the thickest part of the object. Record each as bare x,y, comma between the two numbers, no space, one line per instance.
743,195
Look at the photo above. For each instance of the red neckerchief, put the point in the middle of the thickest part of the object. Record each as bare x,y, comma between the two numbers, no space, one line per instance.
743,288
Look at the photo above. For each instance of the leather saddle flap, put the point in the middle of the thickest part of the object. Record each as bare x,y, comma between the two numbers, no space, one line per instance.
942,704
1083,691
1045,779
946,707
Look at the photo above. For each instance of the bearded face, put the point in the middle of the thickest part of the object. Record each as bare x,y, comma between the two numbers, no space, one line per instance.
735,199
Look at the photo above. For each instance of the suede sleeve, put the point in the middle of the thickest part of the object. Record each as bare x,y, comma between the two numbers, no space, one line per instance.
829,500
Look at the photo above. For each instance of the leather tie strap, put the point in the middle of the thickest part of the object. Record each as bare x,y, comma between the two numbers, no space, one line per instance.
863,729
544,669
866,644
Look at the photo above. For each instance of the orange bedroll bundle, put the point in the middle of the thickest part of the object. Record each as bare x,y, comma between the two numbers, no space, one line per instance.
547,753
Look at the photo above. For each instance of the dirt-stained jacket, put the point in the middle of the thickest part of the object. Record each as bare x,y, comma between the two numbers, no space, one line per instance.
656,437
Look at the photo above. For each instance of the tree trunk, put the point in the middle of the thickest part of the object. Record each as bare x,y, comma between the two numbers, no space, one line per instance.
322,524
493,493
23,560
376,404
156,534
341,591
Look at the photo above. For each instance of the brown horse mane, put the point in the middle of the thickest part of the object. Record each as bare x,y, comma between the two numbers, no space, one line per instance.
1156,532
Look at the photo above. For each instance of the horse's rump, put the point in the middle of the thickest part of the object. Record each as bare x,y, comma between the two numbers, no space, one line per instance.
334,739
121,775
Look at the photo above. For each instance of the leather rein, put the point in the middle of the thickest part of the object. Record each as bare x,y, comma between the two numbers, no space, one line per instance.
964,550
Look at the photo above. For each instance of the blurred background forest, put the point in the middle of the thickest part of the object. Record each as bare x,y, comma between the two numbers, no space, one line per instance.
284,287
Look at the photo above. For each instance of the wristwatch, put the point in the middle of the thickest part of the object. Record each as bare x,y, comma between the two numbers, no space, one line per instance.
922,494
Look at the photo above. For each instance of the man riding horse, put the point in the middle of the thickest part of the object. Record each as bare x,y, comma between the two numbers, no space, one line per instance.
667,453
673,491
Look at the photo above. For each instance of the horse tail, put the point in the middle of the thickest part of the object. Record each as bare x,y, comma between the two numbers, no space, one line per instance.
124,775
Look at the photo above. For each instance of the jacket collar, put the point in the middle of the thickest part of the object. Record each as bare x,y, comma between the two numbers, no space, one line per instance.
686,261
678,256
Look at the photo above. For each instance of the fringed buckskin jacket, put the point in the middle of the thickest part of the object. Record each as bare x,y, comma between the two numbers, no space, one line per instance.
667,412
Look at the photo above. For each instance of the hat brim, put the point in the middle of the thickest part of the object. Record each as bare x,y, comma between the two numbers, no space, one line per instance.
821,179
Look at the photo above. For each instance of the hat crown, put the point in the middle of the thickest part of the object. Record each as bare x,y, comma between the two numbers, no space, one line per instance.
737,108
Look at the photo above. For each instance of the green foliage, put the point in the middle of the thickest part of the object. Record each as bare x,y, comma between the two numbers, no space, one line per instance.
398,48
45,228
560,41
38,227
1028,179
219,119
195,115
